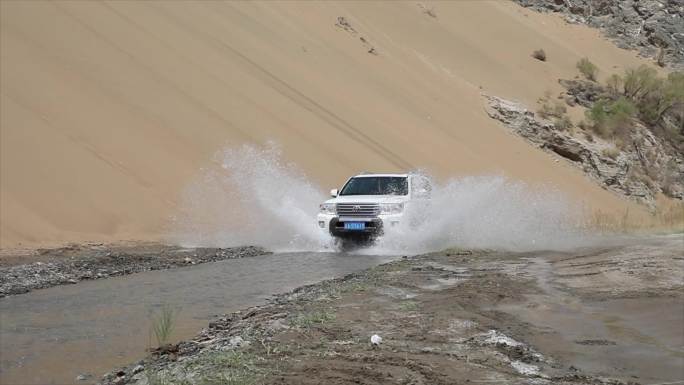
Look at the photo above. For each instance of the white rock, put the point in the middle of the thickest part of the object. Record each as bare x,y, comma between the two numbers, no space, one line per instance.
376,339
525,369
494,337
236,341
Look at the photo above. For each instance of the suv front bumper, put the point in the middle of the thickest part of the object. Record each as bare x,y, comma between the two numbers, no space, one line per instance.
373,226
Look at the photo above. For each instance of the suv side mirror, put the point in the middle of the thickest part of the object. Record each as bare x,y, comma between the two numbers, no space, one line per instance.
333,193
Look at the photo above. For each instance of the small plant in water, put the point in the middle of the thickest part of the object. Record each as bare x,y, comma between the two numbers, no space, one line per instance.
162,325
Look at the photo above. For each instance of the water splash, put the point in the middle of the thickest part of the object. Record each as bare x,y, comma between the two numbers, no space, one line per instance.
252,196
487,212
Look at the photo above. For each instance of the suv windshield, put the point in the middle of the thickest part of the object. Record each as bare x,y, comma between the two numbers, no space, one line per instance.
376,185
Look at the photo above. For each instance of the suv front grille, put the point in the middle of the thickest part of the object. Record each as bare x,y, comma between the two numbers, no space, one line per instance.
365,210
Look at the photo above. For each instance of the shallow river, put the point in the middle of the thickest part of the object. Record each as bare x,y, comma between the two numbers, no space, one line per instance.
51,336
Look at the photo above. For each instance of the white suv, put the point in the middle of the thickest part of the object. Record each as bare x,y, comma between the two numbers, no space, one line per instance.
368,204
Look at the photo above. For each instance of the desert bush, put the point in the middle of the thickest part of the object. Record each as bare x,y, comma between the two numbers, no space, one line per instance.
640,81
539,55
643,86
614,85
641,93
672,97
654,96
611,152
555,111
562,123
611,118
551,108
587,69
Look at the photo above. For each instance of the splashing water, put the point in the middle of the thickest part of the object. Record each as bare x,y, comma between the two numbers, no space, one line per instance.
487,212
253,197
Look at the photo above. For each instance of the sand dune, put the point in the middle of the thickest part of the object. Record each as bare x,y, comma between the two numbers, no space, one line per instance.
108,109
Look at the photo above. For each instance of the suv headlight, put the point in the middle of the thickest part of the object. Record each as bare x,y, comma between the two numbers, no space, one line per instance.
391,208
328,208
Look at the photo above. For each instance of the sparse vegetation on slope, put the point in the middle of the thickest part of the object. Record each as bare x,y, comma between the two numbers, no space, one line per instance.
587,68
657,102
632,141
612,118
555,111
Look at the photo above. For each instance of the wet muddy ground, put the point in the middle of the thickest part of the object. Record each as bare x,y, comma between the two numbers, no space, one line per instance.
594,316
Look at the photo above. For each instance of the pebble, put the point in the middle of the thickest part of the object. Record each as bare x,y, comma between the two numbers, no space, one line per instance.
83,376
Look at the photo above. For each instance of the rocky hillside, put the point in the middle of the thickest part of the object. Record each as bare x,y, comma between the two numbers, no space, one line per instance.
654,27
643,166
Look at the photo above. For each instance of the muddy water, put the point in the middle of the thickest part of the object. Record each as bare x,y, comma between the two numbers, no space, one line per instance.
51,336
634,339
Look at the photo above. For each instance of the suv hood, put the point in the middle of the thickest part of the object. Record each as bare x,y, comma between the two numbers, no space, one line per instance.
369,199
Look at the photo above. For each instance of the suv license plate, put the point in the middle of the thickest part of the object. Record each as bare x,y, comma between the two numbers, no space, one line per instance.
354,226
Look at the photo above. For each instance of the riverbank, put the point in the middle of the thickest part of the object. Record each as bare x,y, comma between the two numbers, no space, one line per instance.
608,315
71,264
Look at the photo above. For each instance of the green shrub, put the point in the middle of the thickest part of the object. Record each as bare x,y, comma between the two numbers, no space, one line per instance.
654,96
614,85
673,95
587,68
640,81
611,118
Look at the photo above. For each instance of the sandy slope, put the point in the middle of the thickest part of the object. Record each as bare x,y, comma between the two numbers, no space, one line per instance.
109,109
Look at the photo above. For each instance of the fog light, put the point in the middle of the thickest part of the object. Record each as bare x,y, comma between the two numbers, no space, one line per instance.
321,224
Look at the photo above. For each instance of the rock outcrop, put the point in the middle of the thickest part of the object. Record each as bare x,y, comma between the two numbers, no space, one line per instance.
640,170
582,92
654,27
